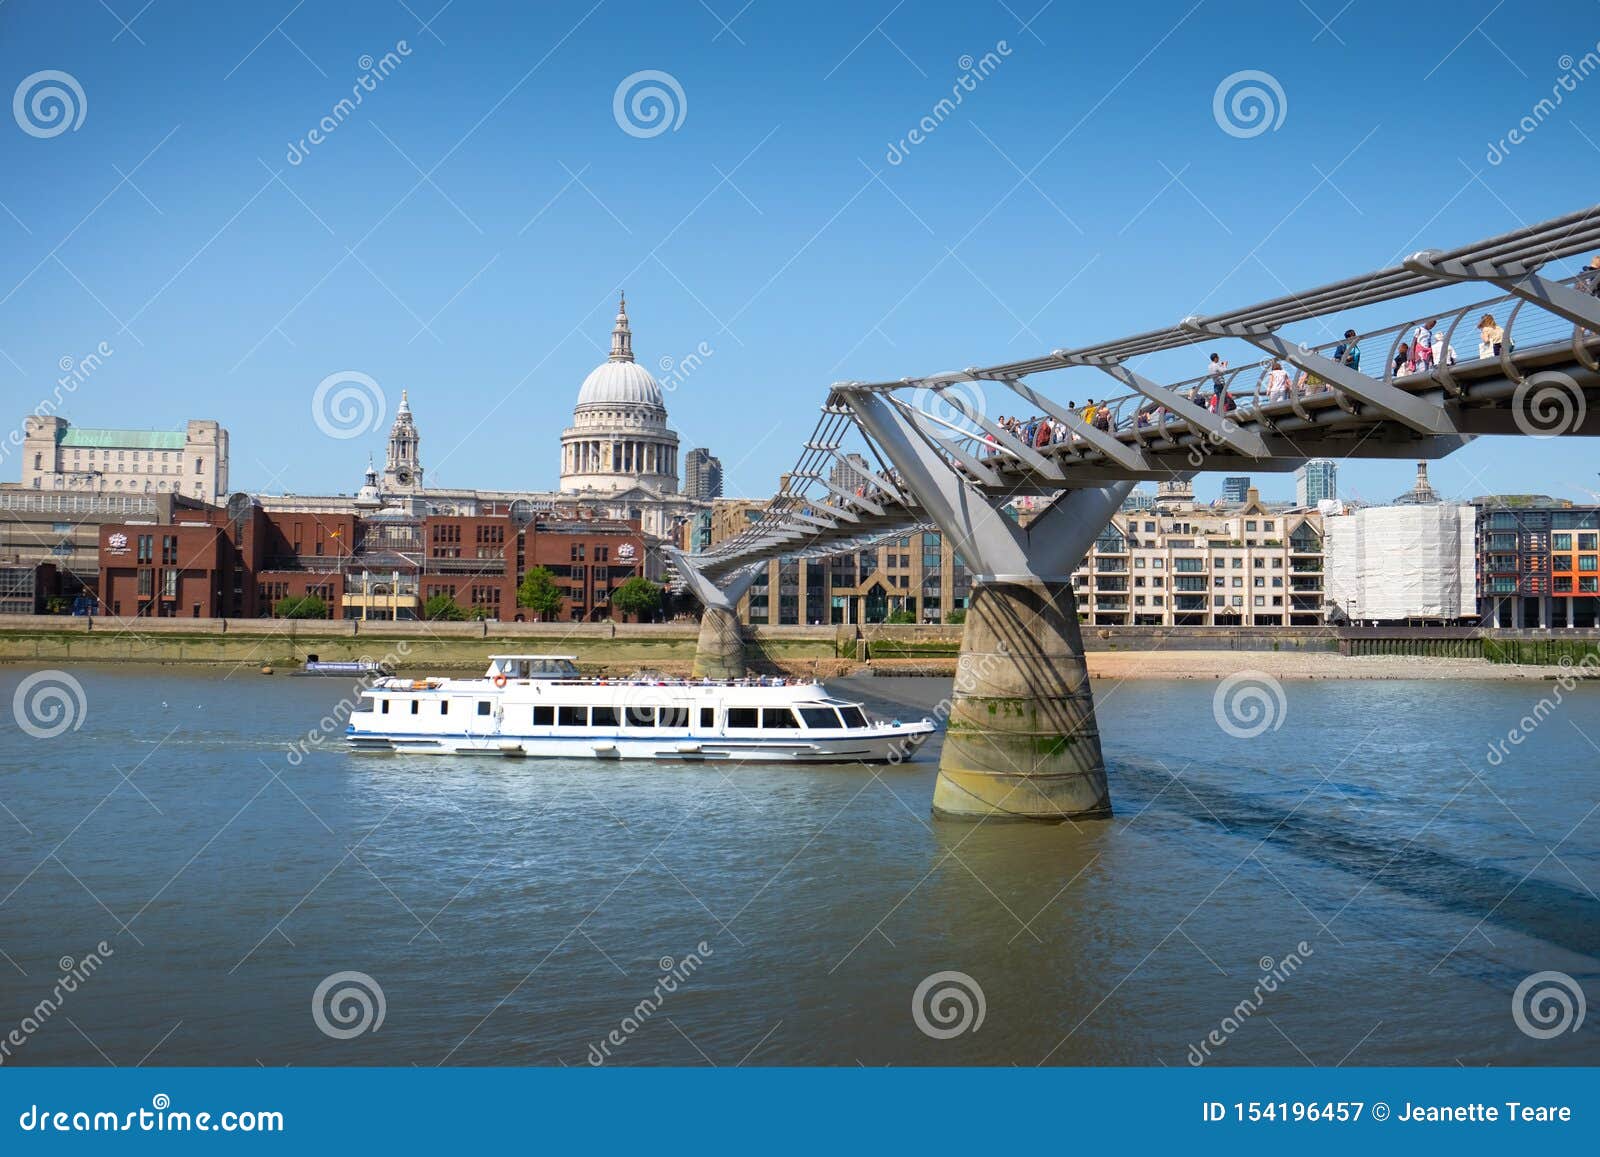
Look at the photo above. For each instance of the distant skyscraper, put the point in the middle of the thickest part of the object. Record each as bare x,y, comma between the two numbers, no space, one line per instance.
702,475
1139,499
1316,480
850,474
1235,488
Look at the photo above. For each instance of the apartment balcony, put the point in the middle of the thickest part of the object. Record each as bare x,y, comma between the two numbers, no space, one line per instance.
1306,565
1111,584
1305,584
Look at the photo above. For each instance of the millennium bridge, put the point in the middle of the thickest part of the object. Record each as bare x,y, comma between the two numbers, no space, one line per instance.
1021,740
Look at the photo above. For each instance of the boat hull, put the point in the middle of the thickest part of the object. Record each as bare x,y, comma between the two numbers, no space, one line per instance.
876,745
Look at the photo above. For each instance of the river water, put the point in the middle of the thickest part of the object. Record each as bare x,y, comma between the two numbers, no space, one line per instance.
1366,882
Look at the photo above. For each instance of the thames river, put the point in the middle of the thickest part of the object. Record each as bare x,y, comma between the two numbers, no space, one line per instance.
1367,881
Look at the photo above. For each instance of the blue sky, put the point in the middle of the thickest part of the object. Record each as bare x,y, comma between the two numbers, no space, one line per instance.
1082,191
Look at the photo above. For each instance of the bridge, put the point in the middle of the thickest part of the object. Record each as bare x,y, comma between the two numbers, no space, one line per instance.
1021,739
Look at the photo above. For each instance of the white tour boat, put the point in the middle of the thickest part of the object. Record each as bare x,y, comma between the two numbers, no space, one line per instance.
540,705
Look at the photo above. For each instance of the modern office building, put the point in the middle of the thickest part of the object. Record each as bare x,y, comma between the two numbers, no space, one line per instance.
244,561
1235,488
851,473
60,530
1316,480
1538,562
702,475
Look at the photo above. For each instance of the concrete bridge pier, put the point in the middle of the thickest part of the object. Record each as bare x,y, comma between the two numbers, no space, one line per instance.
1021,742
719,652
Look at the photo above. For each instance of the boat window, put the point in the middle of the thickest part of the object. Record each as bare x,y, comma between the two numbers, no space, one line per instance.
602,717
819,717
640,716
778,717
743,716
385,703
708,717
544,716
444,707
416,706
574,717
674,717
853,717
483,707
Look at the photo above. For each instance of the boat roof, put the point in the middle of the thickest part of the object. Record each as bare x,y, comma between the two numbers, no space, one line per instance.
572,658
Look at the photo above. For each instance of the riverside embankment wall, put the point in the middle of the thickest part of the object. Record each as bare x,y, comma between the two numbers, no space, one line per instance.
670,646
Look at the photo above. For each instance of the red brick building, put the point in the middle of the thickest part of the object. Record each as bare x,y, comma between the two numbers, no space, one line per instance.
382,566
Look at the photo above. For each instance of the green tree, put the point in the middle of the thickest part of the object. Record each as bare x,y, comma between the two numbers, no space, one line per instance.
301,607
901,617
442,608
956,617
637,597
538,592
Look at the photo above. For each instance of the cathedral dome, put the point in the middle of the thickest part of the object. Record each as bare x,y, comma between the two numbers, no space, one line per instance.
620,384
619,380
619,437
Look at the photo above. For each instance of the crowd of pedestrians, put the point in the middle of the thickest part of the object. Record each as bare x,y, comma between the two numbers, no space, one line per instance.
1426,347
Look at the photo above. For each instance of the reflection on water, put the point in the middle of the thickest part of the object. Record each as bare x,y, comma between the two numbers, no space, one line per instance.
520,912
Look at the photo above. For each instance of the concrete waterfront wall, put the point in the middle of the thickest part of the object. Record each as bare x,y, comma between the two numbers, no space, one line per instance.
285,643
671,646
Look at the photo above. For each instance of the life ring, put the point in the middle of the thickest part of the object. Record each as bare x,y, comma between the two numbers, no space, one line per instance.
499,680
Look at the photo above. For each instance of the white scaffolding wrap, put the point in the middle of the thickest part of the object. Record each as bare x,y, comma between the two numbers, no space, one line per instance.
1402,562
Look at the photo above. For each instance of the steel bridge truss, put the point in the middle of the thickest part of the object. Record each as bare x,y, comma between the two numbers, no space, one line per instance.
940,456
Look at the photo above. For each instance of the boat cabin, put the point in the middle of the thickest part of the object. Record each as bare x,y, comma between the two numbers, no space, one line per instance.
533,667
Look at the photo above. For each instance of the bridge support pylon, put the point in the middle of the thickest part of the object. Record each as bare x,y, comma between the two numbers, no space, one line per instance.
719,651
1021,741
